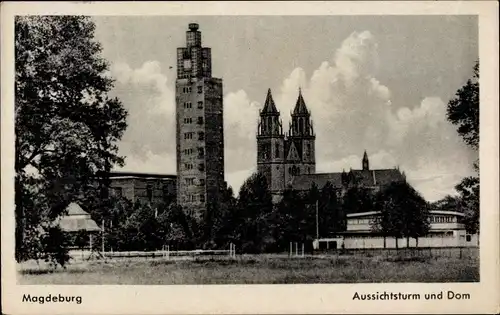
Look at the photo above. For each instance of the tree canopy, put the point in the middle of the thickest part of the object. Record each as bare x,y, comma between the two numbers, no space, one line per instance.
66,126
463,111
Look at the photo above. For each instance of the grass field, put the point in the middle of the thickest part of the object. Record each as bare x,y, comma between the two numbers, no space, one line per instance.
260,269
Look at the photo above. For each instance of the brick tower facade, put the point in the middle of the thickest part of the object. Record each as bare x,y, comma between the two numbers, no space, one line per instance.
199,126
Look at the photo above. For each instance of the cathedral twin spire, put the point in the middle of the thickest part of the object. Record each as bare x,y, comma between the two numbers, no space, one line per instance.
301,125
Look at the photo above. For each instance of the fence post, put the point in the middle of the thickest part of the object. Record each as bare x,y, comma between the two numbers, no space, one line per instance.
290,253
302,249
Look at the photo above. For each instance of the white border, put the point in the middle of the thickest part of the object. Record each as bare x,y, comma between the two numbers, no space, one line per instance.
315,298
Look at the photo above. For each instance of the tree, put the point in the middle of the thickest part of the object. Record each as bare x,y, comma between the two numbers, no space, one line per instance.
463,111
331,213
254,211
358,199
66,126
403,212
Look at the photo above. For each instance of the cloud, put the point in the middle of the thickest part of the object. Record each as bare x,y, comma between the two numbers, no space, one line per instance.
149,141
351,108
353,111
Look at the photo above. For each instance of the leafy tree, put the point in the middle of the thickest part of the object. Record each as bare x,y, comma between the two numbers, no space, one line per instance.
66,126
331,212
403,212
81,239
55,246
291,220
358,199
254,210
463,111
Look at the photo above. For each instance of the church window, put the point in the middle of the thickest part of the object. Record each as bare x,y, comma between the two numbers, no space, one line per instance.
202,182
277,150
200,105
200,120
200,89
201,153
201,135
202,198
201,167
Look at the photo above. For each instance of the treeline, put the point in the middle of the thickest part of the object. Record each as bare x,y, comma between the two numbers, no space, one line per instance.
255,224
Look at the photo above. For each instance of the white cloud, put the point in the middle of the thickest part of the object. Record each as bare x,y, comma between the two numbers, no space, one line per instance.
149,141
351,109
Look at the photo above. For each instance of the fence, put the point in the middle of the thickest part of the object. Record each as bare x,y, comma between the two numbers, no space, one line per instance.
430,252
165,253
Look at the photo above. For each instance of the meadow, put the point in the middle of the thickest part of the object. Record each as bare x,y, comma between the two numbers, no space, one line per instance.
259,269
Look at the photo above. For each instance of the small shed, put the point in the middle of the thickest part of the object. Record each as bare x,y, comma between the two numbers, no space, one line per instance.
77,219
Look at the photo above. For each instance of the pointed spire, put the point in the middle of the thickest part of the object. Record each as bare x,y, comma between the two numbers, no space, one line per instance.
365,162
300,105
269,106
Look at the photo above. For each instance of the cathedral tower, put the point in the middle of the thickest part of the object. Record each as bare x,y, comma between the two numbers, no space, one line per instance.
300,155
199,126
365,162
270,146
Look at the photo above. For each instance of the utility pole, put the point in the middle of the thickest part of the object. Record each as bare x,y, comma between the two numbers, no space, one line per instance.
102,237
317,221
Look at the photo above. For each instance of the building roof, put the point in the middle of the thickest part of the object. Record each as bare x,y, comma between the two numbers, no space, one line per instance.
116,174
304,182
431,212
367,178
269,106
300,106
75,209
76,219
69,224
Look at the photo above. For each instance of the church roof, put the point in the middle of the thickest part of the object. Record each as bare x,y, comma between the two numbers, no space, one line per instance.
300,105
269,106
304,182
367,178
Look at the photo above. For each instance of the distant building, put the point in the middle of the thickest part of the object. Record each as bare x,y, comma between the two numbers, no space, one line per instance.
446,230
289,159
199,121
144,187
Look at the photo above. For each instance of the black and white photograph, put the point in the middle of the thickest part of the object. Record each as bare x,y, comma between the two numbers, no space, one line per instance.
247,150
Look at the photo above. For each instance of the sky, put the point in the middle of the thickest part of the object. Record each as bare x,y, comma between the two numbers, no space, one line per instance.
374,83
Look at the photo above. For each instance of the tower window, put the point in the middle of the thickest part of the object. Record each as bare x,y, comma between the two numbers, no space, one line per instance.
200,120
200,105
201,135
202,182
200,89
201,152
202,198
277,151
201,167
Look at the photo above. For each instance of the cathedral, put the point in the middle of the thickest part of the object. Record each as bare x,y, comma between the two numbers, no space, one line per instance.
288,159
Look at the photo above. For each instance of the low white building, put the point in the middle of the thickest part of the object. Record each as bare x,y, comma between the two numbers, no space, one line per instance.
446,230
